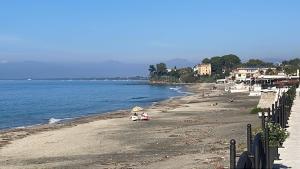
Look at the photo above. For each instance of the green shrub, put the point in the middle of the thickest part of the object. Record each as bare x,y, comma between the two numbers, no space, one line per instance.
277,134
256,110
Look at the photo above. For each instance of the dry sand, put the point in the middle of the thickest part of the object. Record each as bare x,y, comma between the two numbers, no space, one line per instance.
186,132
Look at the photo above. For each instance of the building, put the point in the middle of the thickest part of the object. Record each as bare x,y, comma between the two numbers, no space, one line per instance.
243,74
169,70
204,69
246,74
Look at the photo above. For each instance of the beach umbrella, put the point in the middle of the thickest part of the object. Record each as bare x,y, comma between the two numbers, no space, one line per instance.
137,109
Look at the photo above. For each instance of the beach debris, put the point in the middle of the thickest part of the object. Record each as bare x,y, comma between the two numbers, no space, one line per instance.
214,104
231,100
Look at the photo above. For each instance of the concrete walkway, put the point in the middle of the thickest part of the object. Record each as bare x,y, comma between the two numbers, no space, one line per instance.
290,154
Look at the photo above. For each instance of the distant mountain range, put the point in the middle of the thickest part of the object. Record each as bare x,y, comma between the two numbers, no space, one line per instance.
51,70
44,70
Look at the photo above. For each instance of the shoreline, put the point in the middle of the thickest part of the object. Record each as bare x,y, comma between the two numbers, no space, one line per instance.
88,114
23,131
183,132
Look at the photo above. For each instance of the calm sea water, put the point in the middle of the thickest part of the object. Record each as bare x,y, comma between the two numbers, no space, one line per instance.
24,103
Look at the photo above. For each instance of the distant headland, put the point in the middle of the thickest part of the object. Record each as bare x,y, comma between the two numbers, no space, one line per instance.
227,67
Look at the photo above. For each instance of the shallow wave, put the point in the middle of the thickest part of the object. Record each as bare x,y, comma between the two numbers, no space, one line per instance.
56,100
21,127
54,120
179,90
182,92
136,98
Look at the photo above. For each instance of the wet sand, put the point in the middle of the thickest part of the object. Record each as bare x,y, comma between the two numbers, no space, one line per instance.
186,132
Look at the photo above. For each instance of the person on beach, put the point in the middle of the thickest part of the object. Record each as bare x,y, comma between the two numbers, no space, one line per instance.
134,117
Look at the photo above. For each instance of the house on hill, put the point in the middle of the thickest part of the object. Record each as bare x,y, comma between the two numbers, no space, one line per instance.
203,69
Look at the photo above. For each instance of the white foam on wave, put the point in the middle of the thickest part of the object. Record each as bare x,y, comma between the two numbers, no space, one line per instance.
24,127
21,127
54,120
178,89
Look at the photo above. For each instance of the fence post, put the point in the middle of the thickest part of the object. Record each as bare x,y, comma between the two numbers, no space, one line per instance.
232,154
276,111
263,121
273,113
267,152
280,112
288,107
249,138
284,110
269,112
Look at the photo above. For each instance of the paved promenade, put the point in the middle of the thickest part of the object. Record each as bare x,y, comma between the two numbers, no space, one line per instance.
290,154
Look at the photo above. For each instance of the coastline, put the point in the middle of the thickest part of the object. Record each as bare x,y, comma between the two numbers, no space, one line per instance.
11,134
50,107
175,132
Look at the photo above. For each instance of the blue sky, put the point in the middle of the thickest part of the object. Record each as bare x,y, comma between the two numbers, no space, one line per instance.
141,31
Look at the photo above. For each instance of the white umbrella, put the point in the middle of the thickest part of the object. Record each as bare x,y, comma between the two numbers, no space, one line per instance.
137,109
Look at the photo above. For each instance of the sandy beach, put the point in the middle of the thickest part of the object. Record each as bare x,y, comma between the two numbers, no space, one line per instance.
186,132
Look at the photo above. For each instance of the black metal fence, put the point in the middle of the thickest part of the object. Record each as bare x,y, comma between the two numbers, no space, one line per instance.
259,154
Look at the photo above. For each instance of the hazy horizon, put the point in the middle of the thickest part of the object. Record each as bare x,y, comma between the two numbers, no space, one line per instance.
145,32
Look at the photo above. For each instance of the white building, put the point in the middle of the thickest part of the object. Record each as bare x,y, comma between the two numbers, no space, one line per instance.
246,74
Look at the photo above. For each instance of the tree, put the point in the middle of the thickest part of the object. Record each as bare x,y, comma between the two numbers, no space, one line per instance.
270,72
206,61
188,77
279,68
291,66
174,73
230,61
216,64
294,62
185,70
290,69
152,70
161,69
223,65
257,63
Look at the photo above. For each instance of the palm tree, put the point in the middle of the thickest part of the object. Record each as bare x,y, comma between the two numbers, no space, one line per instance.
152,70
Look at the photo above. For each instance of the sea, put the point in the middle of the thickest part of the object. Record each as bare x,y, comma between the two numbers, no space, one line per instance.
34,102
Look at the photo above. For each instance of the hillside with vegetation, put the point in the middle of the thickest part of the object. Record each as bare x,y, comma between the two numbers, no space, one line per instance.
291,66
221,67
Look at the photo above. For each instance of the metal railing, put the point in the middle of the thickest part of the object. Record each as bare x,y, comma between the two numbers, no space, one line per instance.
259,154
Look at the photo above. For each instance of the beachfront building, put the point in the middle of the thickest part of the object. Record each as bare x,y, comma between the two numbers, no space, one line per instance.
204,69
278,81
243,74
246,74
